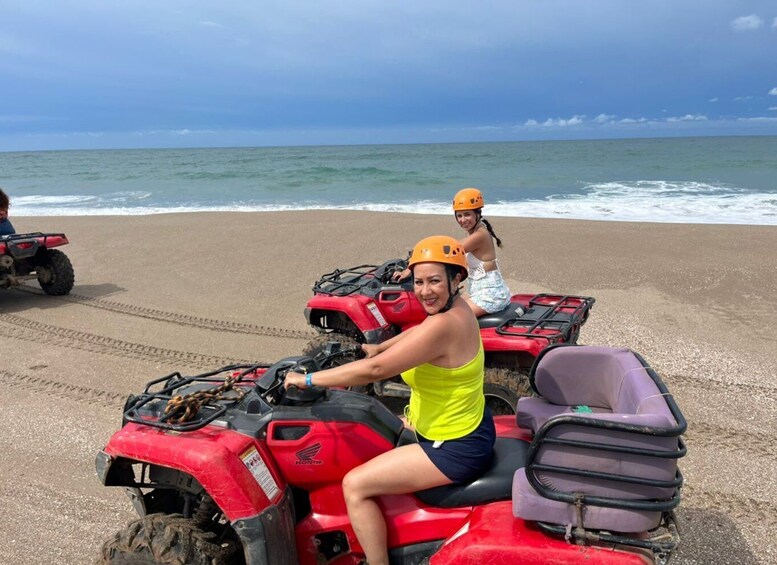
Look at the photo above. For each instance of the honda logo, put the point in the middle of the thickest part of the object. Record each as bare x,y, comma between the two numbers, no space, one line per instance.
307,455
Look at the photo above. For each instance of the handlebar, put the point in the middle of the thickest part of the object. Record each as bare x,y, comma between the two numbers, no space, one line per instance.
270,384
389,268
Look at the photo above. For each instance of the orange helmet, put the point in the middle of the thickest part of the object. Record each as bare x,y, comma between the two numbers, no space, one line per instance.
440,249
467,199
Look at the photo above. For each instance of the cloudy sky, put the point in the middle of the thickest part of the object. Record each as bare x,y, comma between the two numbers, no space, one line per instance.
142,73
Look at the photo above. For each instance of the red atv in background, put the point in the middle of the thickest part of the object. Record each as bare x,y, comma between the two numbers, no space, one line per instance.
241,471
29,256
363,305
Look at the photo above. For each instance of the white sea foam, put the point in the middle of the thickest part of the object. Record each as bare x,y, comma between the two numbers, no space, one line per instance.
637,201
36,201
654,201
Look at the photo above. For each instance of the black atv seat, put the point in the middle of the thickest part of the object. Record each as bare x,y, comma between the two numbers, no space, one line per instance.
498,318
495,484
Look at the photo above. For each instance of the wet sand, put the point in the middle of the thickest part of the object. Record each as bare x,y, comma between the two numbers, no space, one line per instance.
159,293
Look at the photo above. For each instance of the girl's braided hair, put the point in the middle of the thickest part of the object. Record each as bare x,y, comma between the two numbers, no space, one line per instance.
490,229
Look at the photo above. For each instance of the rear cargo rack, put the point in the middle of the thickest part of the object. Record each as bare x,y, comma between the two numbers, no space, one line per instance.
554,317
31,235
148,408
18,244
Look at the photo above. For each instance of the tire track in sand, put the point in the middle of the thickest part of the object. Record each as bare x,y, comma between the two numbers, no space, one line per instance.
175,318
29,330
77,393
743,508
755,391
702,434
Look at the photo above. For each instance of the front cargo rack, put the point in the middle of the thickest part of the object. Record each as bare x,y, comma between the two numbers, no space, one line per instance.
343,282
148,408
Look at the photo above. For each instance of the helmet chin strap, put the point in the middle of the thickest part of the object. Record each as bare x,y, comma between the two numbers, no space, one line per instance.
451,295
449,304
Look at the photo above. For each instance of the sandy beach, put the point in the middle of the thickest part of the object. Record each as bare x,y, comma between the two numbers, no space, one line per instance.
190,292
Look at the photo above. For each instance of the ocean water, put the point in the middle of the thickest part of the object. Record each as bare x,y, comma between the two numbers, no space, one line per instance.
720,180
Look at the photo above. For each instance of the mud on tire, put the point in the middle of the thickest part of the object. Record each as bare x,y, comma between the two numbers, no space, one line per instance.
319,343
165,539
503,387
512,379
55,273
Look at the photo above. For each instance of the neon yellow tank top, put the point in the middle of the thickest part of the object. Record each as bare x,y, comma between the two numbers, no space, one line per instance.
446,403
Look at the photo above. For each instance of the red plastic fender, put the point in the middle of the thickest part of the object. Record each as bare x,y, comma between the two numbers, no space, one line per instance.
356,308
55,240
494,535
218,459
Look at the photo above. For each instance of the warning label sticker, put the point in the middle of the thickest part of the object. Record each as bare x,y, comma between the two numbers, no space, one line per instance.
253,461
377,313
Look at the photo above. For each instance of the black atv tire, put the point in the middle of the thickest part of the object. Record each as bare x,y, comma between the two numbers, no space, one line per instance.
515,380
318,344
164,539
55,273
503,387
500,400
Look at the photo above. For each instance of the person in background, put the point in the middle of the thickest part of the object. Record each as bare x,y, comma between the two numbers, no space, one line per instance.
442,361
488,292
6,227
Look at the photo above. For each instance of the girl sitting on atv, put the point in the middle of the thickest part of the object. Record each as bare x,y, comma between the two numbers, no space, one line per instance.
442,361
487,290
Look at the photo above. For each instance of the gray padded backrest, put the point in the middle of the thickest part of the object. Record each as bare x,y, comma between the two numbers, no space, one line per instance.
615,381
574,457
600,377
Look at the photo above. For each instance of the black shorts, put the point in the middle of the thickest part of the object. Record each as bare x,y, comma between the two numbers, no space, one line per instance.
465,458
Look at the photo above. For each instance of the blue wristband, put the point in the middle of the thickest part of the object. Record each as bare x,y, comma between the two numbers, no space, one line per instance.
309,380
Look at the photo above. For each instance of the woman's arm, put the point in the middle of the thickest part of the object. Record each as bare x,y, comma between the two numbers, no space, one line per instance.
421,345
475,242
372,350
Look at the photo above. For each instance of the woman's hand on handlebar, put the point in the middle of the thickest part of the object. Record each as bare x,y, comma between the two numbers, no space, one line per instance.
294,379
370,349
399,276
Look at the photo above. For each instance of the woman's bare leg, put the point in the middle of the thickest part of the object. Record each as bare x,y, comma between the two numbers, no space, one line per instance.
399,471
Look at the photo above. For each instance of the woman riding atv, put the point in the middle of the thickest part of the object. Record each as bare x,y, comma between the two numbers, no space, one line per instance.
442,361
487,290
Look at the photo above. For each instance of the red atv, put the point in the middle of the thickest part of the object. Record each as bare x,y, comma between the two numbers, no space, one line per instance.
238,470
31,256
363,305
